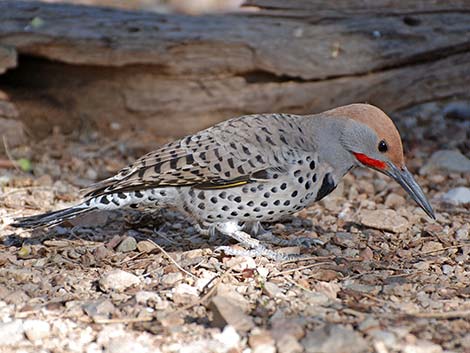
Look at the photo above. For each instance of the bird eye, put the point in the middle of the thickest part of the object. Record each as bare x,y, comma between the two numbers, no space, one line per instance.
383,146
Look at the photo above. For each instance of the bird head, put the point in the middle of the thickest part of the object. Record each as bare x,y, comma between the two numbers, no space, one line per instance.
373,140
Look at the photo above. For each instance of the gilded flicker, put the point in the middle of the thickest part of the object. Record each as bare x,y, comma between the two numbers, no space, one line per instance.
251,169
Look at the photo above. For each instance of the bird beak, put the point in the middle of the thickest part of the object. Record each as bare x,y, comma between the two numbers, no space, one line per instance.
407,182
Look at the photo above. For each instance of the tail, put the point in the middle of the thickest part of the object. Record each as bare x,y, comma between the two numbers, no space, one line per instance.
51,219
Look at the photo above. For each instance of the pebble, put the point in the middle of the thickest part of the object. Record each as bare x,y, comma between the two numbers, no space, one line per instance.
458,196
99,309
422,347
450,161
170,279
261,342
125,345
288,344
394,200
463,233
127,244
240,263
145,246
102,252
146,297
36,329
272,290
334,339
118,280
457,111
11,333
184,294
229,337
431,246
287,333
387,220
388,338
226,312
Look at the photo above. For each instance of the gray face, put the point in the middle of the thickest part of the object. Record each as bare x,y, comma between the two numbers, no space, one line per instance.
359,138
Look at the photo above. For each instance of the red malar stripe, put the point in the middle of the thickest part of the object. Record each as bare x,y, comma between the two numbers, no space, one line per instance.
370,162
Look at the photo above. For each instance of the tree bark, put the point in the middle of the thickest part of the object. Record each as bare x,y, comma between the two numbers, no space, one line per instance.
173,74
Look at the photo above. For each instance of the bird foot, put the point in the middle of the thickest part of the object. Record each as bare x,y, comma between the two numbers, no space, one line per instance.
304,242
210,231
259,251
234,231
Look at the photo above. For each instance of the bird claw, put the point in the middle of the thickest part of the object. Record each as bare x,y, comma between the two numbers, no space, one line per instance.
304,242
259,251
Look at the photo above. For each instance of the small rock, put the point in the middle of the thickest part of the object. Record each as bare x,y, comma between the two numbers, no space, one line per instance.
125,345
118,280
388,338
345,239
100,309
226,312
366,254
447,269
16,297
334,339
229,337
36,329
12,131
102,252
422,347
460,195
184,294
127,244
447,161
457,111
145,246
261,342
143,297
272,290
431,246
288,344
394,200
170,279
229,291
240,263
463,233
387,220
11,333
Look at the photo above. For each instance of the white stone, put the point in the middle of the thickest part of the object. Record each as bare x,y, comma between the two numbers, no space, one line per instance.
11,333
118,280
460,195
229,337
36,329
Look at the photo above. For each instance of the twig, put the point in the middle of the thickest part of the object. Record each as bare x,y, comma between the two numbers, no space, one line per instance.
7,163
440,315
299,269
291,281
446,248
210,291
171,259
123,320
7,152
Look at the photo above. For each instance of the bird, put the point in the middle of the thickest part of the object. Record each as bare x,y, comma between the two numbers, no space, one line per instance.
252,169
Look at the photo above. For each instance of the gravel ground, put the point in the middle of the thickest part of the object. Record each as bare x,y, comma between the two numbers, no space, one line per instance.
387,279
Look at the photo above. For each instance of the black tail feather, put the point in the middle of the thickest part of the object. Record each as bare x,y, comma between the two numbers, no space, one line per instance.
50,219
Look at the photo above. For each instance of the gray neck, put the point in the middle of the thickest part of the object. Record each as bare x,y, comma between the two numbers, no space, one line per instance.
326,133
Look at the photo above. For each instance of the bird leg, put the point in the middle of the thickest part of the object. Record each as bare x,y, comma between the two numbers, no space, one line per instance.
262,234
233,230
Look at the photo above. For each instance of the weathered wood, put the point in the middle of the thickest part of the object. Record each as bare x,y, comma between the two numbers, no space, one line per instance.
175,74
7,58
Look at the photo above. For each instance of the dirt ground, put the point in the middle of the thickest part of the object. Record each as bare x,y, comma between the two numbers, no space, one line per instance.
387,279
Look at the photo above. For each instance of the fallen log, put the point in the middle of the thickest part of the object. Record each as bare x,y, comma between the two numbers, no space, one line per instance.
83,67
